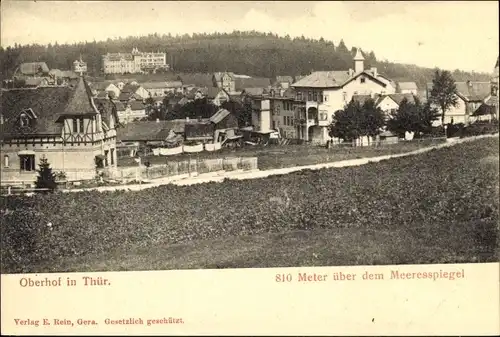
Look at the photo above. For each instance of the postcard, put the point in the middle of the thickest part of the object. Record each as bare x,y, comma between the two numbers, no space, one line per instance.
249,168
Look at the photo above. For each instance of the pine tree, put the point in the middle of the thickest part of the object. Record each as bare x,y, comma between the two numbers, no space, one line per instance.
46,178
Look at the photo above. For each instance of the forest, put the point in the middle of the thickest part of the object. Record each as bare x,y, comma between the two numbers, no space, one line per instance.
250,53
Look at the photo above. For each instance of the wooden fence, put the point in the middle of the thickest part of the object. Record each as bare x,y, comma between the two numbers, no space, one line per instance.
185,167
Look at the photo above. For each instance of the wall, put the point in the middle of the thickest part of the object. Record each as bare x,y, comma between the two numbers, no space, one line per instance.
77,161
387,105
458,114
261,114
283,114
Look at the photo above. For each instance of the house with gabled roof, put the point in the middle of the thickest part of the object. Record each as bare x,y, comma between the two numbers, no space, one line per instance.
225,80
63,124
161,88
99,88
471,95
32,69
325,92
407,88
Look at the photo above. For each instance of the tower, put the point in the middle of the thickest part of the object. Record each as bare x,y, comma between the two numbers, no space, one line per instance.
359,62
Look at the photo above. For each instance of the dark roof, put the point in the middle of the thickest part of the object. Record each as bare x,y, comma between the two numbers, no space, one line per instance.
471,91
198,79
252,82
81,102
255,91
49,104
137,105
129,88
32,68
143,131
198,130
398,98
474,91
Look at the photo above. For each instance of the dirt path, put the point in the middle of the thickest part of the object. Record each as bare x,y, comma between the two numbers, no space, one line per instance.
241,175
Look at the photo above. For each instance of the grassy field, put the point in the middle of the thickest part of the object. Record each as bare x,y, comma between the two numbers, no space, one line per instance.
437,207
275,156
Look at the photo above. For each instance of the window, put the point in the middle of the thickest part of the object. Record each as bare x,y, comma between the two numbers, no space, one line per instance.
6,161
80,125
309,95
363,80
27,162
344,96
299,96
277,109
106,158
315,96
320,98
112,156
325,98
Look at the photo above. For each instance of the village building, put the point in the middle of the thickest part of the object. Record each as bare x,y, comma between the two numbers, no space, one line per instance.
61,124
105,88
79,66
407,88
134,62
470,96
325,92
156,89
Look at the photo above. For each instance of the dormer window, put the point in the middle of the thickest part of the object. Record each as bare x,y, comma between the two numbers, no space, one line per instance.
26,117
24,120
363,80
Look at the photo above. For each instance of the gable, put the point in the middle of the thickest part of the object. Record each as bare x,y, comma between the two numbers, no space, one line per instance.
367,77
387,103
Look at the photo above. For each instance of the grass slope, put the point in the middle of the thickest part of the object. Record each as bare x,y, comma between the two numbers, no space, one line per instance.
438,207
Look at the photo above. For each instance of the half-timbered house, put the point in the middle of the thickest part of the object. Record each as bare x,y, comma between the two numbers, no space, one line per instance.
62,124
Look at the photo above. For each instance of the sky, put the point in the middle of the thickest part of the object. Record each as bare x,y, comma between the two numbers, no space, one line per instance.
445,34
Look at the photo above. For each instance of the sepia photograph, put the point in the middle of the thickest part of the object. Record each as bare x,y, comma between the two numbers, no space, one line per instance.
184,135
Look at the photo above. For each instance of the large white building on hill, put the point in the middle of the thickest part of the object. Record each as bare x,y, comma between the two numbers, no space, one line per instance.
134,62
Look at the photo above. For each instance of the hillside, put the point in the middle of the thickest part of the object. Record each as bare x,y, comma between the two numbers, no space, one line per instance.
251,53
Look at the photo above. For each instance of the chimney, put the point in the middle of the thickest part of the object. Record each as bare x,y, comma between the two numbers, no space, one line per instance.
350,72
374,71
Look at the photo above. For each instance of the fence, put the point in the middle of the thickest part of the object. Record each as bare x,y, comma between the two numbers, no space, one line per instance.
186,167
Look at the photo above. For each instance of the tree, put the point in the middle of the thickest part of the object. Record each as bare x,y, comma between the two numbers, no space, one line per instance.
150,102
412,117
443,92
357,120
46,178
242,111
372,119
345,124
